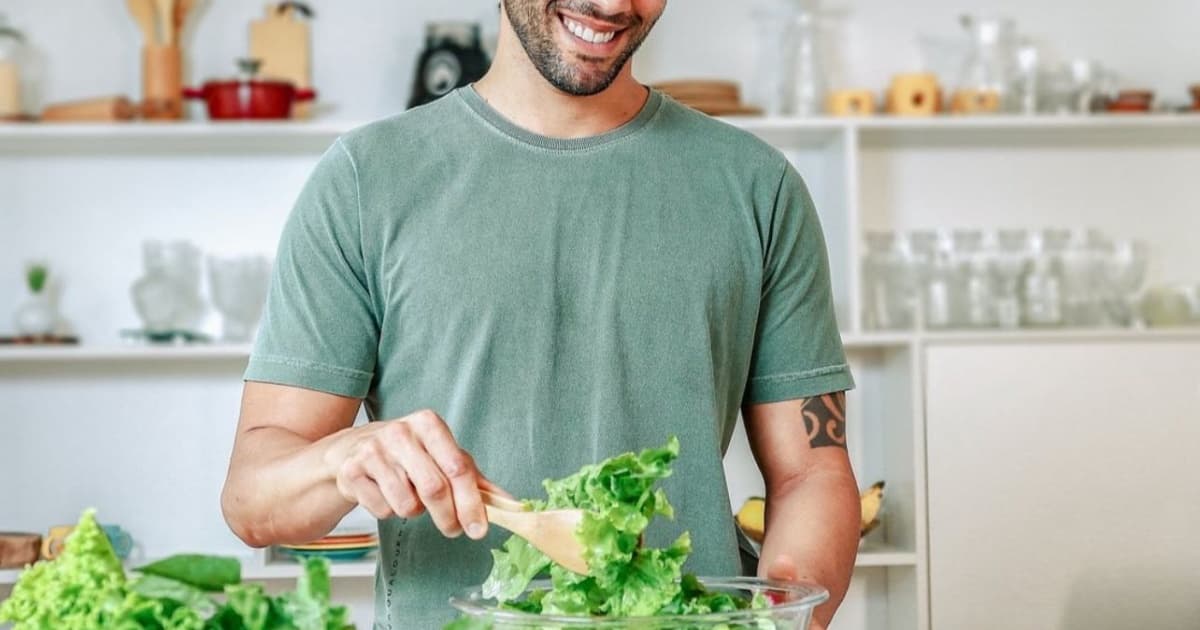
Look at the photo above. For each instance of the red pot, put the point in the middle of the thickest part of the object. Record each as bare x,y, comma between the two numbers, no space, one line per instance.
249,98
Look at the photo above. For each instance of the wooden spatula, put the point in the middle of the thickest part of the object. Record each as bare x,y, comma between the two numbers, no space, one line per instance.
551,532
143,13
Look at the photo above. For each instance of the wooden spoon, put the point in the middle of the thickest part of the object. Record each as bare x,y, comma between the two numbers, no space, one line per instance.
143,13
166,20
183,8
551,532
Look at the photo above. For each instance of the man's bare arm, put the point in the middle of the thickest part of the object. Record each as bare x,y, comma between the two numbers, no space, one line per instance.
299,466
813,508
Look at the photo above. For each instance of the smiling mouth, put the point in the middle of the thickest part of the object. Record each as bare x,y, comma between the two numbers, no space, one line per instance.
589,34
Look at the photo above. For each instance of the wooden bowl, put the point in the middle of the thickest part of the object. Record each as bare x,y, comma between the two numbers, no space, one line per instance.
19,549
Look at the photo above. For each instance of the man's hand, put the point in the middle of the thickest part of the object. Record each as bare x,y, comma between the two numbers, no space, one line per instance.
410,465
783,568
299,465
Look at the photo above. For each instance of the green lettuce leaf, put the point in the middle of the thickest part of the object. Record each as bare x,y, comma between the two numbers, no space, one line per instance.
514,565
209,573
84,588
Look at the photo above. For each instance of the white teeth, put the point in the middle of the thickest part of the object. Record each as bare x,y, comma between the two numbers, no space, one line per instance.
587,34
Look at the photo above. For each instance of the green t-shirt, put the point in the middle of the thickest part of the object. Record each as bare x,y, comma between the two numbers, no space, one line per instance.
557,302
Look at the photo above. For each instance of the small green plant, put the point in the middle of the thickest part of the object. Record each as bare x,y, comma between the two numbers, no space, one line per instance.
36,276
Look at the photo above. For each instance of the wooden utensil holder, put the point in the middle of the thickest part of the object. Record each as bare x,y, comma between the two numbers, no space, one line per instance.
851,103
162,82
914,95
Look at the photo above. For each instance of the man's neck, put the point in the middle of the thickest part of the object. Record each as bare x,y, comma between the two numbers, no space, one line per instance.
514,88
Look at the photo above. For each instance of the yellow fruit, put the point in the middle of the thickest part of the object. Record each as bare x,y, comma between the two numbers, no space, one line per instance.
872,503
752,518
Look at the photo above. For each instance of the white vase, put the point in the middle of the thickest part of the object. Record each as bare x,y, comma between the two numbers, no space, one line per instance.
36,317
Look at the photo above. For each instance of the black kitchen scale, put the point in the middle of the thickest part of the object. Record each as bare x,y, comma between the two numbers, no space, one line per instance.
453,57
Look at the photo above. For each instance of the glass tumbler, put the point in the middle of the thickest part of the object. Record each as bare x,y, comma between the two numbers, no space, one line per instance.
1006,265
1041,284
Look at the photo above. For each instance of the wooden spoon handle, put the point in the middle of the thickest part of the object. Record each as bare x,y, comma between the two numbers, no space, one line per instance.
494,500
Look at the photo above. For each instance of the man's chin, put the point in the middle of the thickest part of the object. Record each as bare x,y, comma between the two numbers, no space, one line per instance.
585,82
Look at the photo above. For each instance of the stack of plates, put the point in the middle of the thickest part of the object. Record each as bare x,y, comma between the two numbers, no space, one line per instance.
716,98
339,545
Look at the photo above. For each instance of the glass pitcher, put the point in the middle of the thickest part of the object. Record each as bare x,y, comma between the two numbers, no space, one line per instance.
988,70
11,50
789,70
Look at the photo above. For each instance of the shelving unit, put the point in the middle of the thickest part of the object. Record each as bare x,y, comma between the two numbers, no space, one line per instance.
290,570
89,353
872,173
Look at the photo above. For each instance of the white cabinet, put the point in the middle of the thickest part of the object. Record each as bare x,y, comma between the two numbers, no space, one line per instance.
1062,485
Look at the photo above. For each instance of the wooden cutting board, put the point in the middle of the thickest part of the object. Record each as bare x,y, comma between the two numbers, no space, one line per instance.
282,42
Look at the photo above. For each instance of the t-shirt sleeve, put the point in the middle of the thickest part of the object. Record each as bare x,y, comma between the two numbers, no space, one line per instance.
319,329
797,346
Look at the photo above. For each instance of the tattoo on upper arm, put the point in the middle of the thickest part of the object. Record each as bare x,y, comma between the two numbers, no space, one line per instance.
825,420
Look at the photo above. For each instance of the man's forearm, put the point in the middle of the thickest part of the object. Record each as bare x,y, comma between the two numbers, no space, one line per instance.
281,490
814,520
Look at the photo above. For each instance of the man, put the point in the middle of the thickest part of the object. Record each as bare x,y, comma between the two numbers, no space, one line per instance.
548,268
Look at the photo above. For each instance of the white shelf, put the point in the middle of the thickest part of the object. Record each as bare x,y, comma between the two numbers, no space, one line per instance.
1066,335
201,135
177,137
884,556
853,342
9,576
58,354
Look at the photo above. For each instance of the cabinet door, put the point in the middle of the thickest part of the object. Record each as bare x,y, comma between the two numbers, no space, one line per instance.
1064,486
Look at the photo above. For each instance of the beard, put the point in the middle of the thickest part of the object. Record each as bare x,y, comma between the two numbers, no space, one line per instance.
535,21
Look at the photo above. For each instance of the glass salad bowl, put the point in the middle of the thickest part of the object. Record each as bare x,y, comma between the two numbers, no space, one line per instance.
790,607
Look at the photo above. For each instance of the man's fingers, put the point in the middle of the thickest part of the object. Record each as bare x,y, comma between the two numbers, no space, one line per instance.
431,485
364,491
394,487
459,469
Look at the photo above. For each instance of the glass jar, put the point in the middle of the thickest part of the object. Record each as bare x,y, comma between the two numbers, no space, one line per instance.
889,282
11,55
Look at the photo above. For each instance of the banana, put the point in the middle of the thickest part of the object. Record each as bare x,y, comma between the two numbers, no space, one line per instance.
752,518
872,503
